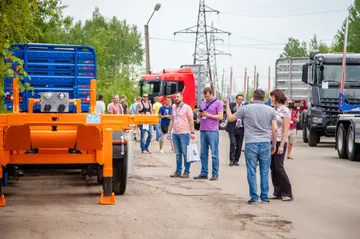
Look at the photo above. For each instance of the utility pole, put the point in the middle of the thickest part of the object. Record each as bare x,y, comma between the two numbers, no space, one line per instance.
231,83
255,78
147,45
269,86
257,81
223,84
201,29
213,54
245,90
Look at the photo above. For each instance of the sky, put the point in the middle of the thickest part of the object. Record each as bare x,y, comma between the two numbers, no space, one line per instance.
259,29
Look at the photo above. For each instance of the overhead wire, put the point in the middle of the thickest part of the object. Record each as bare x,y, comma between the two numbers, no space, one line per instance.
283,16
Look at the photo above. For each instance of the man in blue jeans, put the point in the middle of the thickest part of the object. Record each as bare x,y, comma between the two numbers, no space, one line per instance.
182,124
259,121
210,112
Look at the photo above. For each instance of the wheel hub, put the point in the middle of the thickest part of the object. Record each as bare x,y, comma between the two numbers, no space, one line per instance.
350,142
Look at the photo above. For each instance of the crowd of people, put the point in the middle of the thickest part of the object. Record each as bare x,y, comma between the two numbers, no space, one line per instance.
266,132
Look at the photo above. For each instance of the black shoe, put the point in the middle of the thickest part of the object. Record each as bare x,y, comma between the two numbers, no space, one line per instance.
214,178
201,177
252,201
236,164
231,164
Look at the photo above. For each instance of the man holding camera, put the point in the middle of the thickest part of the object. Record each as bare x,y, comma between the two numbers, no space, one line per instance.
211,112
292,130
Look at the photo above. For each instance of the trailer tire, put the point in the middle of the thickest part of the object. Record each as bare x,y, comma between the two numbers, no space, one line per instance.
341,142
313,138
119,179
352,148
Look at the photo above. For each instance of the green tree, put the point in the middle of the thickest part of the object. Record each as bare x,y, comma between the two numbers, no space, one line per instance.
314,44
294,48
353,33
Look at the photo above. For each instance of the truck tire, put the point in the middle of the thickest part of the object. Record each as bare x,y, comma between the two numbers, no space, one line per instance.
352,148
341,142
120,166
313,138
197,126
305,135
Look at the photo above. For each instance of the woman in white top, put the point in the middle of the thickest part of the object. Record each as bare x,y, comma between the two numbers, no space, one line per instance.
281,182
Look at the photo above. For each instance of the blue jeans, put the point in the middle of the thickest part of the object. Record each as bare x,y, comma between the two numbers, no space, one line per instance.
255,152
145,145
209,139
158,131
181,141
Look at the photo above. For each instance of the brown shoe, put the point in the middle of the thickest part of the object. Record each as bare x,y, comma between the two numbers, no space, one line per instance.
185,175
175,175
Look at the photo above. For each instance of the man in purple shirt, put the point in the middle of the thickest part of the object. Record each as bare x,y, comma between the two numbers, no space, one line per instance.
210,113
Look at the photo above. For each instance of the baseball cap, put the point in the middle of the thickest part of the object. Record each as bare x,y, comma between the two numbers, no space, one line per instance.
145,95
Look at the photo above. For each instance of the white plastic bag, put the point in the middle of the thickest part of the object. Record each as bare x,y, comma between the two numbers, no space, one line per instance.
192,153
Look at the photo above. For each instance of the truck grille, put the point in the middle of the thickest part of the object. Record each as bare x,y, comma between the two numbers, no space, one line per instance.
330,106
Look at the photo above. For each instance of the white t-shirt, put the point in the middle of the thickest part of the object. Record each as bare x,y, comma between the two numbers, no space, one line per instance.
100,107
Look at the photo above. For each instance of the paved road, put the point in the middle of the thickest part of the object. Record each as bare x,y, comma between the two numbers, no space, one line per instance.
64,205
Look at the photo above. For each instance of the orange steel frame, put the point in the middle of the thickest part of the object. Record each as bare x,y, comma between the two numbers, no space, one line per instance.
22,131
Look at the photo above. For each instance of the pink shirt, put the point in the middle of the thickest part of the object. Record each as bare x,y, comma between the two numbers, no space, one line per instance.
181,117
116,109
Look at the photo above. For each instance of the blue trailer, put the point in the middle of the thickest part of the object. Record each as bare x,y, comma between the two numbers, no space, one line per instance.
53,68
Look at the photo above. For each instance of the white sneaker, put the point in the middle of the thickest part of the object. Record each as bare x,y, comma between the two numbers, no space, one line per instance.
161,151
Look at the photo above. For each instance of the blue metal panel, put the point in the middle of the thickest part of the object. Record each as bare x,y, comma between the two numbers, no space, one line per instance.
344,106
53,68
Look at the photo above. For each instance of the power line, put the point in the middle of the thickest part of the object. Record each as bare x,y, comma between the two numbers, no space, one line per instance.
283,16
229,45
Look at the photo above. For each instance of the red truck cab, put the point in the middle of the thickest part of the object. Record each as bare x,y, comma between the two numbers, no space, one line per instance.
167,83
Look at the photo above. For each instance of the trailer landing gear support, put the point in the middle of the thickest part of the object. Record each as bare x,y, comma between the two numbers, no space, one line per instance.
2,196
107,196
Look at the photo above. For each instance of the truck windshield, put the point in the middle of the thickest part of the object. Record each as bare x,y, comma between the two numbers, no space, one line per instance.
333,73
152,88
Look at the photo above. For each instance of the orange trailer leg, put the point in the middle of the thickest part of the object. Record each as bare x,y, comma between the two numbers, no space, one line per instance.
107,196
2,196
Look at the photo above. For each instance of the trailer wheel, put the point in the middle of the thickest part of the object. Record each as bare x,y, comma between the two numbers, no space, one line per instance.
119,179
341,142
313,138
352,148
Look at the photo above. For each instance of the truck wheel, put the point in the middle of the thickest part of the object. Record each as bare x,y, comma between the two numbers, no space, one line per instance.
119,179
197,126
341,142
313,138
223,123
352,148
305,135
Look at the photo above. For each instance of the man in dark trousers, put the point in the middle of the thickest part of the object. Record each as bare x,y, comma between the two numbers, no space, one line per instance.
236,133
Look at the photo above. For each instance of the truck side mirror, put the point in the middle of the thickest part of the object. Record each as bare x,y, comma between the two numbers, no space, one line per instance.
305,72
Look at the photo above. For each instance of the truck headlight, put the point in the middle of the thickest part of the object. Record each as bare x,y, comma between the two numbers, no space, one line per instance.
47,95
317,120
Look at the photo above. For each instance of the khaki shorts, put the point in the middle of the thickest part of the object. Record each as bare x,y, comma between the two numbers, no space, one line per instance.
292,136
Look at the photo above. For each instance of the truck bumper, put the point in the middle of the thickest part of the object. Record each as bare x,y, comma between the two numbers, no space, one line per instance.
326,128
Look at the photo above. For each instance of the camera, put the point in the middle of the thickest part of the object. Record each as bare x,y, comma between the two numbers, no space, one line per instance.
291,105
